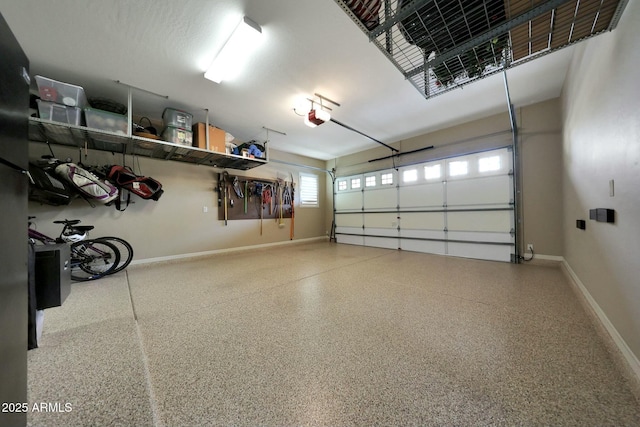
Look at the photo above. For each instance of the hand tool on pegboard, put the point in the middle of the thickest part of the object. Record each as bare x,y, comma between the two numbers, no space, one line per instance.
280,191
225,176
293,202
260,193
278,202
219,190
267,196
246,194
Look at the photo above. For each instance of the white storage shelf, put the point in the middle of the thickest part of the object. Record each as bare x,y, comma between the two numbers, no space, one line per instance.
76,136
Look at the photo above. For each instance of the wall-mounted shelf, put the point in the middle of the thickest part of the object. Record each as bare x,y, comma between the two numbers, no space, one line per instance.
79,136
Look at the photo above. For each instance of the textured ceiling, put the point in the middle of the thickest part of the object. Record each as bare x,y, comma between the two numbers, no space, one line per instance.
309,46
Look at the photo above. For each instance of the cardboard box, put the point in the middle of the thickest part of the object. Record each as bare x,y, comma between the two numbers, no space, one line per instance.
216,138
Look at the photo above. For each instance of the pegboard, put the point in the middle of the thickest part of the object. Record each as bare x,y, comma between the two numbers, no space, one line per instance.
253,198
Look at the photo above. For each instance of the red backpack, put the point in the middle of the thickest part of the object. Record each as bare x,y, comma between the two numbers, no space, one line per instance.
143,186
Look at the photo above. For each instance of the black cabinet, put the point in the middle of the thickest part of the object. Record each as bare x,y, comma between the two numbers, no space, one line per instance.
52,275
14,158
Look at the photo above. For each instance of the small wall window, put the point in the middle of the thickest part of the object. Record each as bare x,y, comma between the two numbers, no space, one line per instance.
386,179
410,175
342,185
432,172
355,183
308,190
370,181
458,168
488,164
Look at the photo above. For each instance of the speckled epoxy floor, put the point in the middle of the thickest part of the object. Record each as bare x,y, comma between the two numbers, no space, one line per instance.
326,334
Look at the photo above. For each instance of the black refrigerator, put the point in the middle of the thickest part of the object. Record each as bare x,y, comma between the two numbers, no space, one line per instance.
14,112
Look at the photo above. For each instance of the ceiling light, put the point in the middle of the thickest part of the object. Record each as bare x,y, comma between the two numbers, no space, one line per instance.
229,61
316,117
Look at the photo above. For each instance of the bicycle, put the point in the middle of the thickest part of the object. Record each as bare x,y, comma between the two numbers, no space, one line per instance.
91,259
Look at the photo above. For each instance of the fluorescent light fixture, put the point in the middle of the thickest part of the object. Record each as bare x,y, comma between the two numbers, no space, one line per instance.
229,61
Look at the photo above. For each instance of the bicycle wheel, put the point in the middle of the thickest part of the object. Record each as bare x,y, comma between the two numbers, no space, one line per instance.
92,259
125,249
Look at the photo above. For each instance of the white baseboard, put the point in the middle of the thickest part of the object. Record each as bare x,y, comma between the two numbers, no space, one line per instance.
632,361
226,250
548,257
538,259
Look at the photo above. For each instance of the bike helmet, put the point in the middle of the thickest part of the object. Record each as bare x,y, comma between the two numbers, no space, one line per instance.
72,235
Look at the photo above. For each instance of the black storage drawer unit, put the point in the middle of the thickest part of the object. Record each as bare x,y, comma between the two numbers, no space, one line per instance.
52,274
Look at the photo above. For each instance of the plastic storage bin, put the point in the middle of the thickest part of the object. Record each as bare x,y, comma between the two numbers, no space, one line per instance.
59,113
106,120
177,118
178,136
61,93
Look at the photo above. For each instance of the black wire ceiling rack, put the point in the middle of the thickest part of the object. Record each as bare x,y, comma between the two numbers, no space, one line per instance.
440,45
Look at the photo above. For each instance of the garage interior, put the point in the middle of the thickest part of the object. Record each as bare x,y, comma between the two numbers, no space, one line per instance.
406,291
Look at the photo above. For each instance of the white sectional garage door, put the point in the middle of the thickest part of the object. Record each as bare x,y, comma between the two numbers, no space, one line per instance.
460,206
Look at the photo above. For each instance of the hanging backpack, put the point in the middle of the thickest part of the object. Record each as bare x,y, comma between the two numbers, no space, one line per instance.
90,186
46,188
142,186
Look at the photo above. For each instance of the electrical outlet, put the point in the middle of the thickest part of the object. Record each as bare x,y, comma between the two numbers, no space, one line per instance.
205,209
530,247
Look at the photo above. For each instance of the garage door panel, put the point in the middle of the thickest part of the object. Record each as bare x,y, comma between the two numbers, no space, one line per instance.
423,234
348,230
381,232
469,215
479,251
480,221
350,240
349,220
476,236
422,195
349,201
422,220
381,198
480,191
425,246
381,220
381,242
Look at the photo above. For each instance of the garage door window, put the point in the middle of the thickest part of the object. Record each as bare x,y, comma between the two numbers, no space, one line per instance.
386,178
410,175
458,168
489,164
432,172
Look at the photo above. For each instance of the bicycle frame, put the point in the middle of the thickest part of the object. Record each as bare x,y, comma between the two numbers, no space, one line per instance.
81,252
43,238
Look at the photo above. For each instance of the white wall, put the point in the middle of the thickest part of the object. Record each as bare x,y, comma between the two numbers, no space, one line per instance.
601,107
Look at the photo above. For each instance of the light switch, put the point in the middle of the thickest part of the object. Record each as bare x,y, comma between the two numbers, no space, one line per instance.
611,189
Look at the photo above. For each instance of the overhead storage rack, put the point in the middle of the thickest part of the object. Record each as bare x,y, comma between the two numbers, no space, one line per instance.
440,45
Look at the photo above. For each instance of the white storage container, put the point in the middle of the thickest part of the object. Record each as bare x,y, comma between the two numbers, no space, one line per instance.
59,113
177,118
178,136
61,93
106,120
